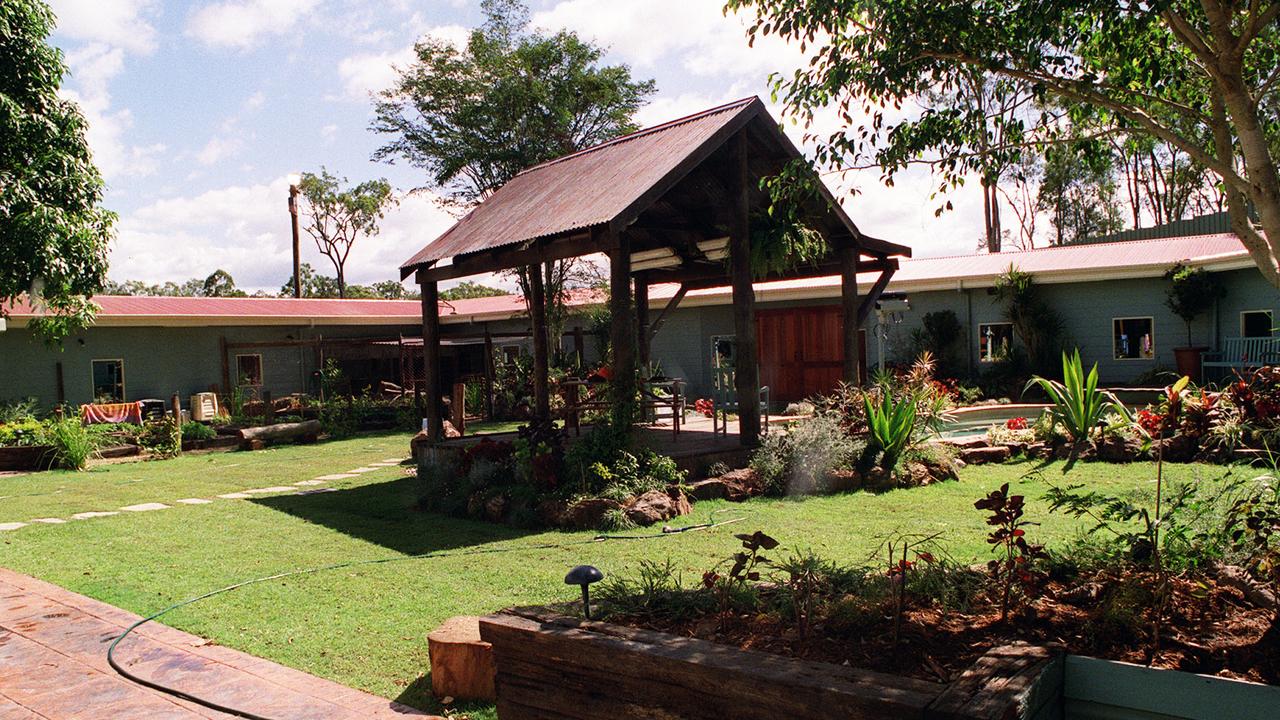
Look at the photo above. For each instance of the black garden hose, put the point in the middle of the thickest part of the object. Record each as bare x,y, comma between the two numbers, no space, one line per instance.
111,660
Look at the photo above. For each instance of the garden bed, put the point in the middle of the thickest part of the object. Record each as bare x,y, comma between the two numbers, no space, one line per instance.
25,458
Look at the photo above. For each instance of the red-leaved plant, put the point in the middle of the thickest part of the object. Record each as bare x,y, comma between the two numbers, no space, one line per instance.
1008,540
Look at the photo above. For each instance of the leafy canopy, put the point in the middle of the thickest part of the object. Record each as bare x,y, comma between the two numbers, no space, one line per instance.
473,117
338,215
54,234
1197,75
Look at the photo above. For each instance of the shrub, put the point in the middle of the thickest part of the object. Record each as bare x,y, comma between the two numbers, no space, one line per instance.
1192,292
193,431
802,460
1078,404
159,438
890,428
23,432
73,443
14,411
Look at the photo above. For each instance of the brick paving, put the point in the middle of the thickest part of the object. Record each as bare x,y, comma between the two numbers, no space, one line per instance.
53,665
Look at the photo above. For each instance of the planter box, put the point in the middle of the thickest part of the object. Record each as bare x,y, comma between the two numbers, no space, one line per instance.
554,667
26,458
119,451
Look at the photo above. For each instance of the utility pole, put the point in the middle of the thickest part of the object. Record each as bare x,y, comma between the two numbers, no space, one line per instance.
294,180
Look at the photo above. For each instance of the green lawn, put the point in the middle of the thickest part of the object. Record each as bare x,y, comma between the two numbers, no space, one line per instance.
366,626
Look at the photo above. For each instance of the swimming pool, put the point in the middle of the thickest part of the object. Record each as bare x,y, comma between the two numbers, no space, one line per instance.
971,422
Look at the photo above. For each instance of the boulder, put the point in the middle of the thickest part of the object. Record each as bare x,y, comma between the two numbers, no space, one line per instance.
1117,449
1179,448
968,443
586,514
877,478
916,474
710,489
842,481
981,455
495,508
743,483
551,512
450,431
655,506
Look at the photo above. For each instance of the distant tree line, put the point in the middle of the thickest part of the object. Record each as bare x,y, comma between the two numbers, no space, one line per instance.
314,285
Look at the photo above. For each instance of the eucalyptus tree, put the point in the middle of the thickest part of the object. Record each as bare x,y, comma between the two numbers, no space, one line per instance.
1199,75
54,233
337,215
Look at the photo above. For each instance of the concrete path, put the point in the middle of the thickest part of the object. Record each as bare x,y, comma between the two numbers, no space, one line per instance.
53,665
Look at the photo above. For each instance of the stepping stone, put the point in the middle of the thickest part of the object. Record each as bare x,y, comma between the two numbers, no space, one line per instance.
94,514
310,482
393,460
338,476
11,526
272,489
315,491
49,521
383,464
194,501
236,496
145,507
364,469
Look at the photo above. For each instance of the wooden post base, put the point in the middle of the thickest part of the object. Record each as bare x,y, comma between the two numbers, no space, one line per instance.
461,663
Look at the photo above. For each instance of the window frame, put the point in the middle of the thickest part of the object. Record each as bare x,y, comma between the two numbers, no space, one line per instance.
1149,318
261,370
732,338
511,351
981,325
1261,311
93,383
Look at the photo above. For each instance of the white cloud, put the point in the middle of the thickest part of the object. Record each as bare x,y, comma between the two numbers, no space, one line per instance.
243,23
367,73
255,101
120,23
329,133
217,149
244,229
93,66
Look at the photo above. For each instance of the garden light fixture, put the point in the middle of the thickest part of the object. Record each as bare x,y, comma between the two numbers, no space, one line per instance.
584,575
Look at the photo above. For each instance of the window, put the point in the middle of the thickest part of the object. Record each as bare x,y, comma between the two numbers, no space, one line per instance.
1134,338
1256,323
511,352
249,370
994,341
108,381
723,350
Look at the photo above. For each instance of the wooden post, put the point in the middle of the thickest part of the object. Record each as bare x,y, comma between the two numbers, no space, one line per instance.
849,306
431,359
621,329
746,368
60,384
488,374
541,366
458,405
579,346
226,366
642,323
268,407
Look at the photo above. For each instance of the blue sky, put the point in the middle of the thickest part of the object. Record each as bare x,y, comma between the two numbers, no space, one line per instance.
199,110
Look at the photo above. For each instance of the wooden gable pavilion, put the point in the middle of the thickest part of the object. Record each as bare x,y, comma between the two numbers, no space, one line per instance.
668,204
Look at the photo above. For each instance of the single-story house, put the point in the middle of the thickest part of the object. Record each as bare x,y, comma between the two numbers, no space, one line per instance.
1110,295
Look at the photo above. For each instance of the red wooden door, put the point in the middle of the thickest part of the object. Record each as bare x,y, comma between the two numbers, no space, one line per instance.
801,353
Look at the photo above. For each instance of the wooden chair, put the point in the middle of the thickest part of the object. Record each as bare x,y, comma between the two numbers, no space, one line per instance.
1243,353
725,396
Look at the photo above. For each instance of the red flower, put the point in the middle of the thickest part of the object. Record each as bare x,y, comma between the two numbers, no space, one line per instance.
1150,421
1016,423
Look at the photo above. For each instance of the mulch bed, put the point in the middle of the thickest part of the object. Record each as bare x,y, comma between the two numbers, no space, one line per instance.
1210,629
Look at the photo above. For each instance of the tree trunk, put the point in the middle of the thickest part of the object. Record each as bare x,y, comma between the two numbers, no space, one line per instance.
1266,185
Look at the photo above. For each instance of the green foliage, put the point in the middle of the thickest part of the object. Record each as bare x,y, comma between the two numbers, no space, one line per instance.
1037,324
23,432
801,460
1008,540
18,410
336,216
780,244
73,443
468,289
219,283
513,97
1082,73
891,425
314,284
1192,292
1078,405
939,334
54,234
1078,191
160,438
193,431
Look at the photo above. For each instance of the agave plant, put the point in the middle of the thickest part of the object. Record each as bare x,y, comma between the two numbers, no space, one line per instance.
891,425
1078,404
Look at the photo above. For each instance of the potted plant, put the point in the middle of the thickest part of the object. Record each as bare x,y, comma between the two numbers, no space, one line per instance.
1192,292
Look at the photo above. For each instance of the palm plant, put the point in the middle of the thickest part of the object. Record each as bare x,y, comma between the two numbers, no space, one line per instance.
891,425
1078,404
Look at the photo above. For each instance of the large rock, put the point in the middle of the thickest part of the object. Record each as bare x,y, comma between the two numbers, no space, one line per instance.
586,514
709,489
656,506
981,455
742,483
1117,449
551,512
968,443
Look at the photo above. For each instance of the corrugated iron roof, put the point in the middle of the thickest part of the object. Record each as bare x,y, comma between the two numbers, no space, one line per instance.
1073,263
582,189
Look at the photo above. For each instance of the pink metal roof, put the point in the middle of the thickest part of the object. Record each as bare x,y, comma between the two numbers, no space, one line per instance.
580,190
1074,262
